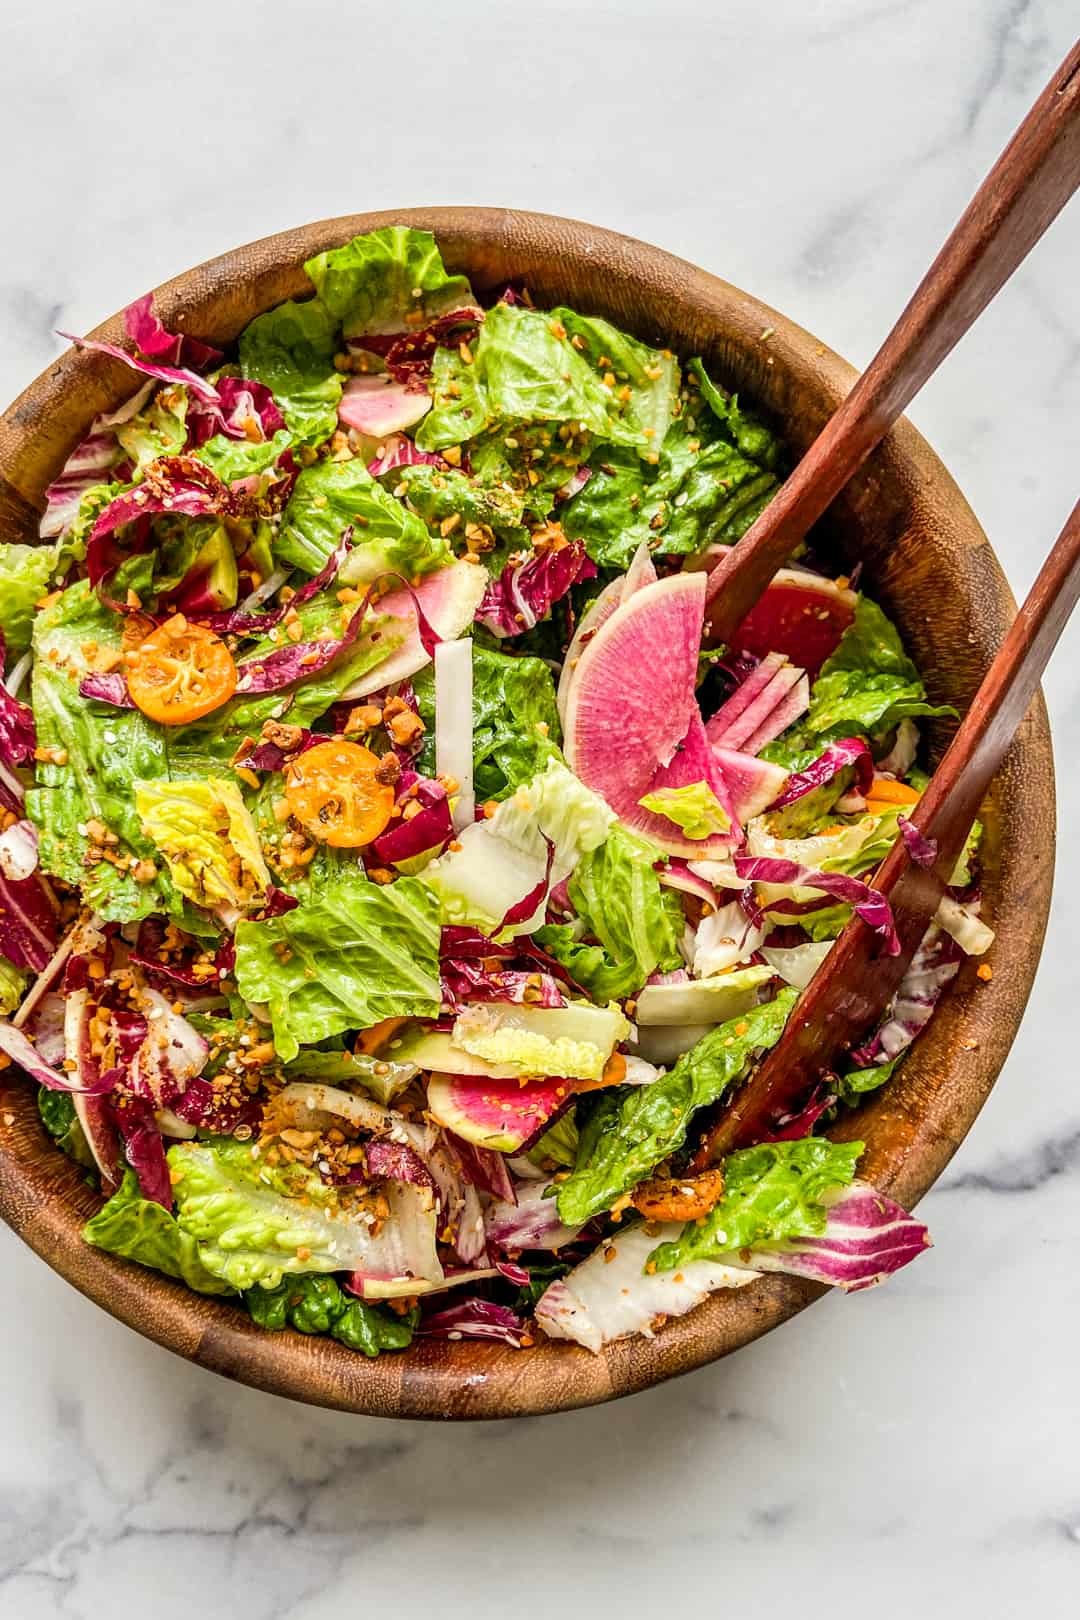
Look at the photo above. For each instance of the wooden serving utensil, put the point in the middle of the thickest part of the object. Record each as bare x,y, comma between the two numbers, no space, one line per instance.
1025,190
854,984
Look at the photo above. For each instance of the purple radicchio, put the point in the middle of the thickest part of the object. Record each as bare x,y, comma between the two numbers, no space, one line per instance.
869,903
524,592
934,965
425,830
28,911
922,850
866,1238
475,1319
17,734
838,756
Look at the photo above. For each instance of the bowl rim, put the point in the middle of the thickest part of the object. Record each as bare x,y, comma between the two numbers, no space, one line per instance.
45,1202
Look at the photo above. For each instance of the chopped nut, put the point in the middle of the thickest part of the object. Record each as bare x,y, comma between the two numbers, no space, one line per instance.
144,871
405,728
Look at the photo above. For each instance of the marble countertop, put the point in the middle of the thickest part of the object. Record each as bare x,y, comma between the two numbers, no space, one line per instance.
910,1450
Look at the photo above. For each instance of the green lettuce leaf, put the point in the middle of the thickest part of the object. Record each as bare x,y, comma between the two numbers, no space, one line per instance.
439,494
649,378
232,459
772,1192
522,370
741,429
207,836
390,280
704,491
27,573
617,893
637,1127
515,721
159,429
352,952
107,750
864,690
258,1223
291,349
857,1082
334,494
695,808
317,1305
131,1226
500,861
13,983
57,1110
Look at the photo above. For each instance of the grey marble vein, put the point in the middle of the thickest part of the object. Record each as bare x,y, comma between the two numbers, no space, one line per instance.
913,1449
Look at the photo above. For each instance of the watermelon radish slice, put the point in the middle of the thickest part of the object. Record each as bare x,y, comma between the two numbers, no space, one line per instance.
800,614
793,706
377,406
754,716
631,705
641,572
752,783
448,598
501,1115
743,696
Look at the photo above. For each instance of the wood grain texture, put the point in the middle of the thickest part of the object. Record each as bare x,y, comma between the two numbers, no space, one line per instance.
925,557
1024,192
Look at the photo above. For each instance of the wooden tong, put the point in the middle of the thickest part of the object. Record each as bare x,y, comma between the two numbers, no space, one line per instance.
1025,190
855,982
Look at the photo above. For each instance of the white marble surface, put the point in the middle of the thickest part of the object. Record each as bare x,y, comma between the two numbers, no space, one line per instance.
913,1450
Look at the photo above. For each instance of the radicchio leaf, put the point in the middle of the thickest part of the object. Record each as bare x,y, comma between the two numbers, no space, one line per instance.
835,758
111,688
934,965
869,903
242,410
922,850
475,1319
866,1238
151,338
143,1147
524,592
17,735
400,451
28,934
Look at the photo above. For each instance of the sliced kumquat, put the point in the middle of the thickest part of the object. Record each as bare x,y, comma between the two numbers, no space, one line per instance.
180,672
335,793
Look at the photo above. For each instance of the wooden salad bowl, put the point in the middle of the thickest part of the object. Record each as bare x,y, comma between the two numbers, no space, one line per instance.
924,555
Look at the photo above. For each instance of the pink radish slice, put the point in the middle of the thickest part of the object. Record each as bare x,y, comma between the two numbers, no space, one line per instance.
793,707
631,705
739,732
377,406
448,598
741,699
800,614
752,783
641,572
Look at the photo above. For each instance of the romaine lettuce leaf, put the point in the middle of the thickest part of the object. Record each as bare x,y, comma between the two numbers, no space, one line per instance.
351,953
334,494
515,721
645,381
704,491
232,458
12,985
501,861
635,1128
134,1227
864,690
57,1110
159,429
772,1192
440,493
291,349
523,368
257,1223
317,1305
207,836
389,280
695,808
742,430
616,892
26,575
104,750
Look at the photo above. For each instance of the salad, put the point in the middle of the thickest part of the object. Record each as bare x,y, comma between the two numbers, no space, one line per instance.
395,881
